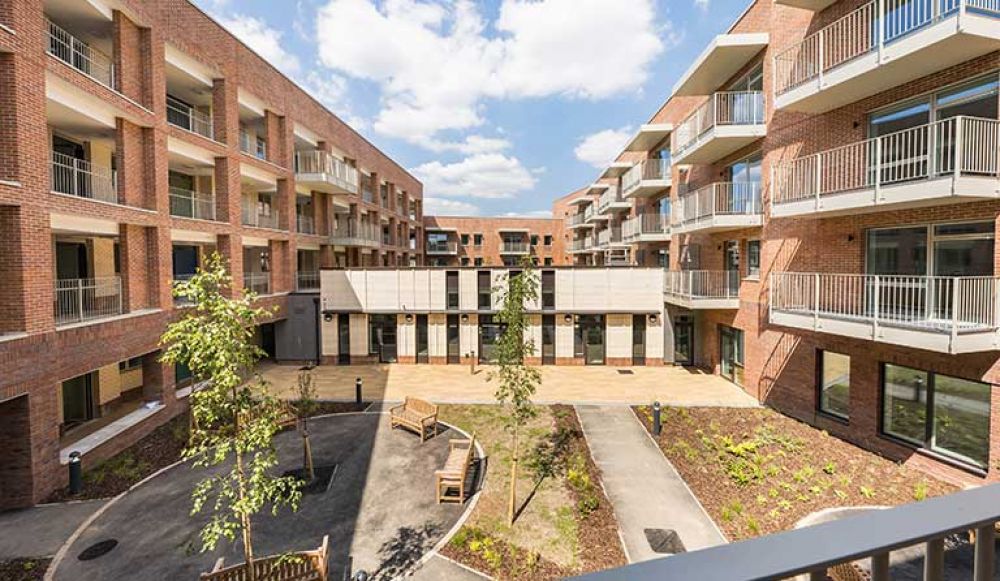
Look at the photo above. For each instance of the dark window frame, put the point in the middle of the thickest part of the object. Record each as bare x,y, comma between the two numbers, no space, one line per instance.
820,354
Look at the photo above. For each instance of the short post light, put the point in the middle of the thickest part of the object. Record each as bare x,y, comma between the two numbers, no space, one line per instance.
357,391
657,423
75,473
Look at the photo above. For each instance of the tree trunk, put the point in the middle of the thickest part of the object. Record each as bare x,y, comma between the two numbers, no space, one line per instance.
245,521
511,508
307,456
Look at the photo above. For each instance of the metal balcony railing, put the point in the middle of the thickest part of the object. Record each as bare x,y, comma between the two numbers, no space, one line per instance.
581,244
929,303
188,118
609,236
85,299
253,216
80,55
654,224
723,108
959,146
79,177
307,281
576,219
442,247
257,282
188,204
589,212
335,170
720,198
610,196
305,224
860,32
648,169
253,145
354,234
514,247
703,284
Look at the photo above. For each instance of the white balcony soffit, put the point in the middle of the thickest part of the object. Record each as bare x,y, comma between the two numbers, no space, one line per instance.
615,169
255,241
597,188
580,201
257,177
648,136
185,153
306,135
66,224
178,235
813,5
191,67
721,59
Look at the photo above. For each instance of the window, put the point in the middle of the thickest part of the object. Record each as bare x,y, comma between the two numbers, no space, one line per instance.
465,261
663,258
957,249
548,289
834,384
484,289
130,364
731,258
753,258
477,239
478,261
547,240
534,240
465,239
437,241
451,289
946,414
548,261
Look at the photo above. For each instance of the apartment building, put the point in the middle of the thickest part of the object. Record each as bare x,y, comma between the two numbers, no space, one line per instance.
831,170
137,138
494,241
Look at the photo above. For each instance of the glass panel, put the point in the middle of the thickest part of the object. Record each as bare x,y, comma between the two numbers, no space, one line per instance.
753,257
963,228
489,333
897,251
963,257
976,99
904,393
962,418
835,383
899,119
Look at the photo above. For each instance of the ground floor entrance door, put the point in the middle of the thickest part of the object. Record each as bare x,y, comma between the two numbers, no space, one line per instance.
590,339
382,335
489,334
638,339
683,341
423,345
548,339
344,339
78,400
731,353
454,345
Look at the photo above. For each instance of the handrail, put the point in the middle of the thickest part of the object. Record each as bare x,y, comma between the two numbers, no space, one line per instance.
446,247
335,170
645,223
252,216
189,118
257,282
703,284
307,280
84,299
720,198
80,177
190,204
80,55
647,169
954,146
722,108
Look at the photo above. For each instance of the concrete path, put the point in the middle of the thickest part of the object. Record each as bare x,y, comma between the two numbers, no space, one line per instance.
40,531
437,568
645,489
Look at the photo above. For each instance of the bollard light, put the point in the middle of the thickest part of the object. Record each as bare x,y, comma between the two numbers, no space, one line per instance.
657,425
357,391
75,473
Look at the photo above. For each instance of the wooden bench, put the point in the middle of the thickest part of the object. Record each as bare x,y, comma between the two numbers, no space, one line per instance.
415,414
309,566
456,470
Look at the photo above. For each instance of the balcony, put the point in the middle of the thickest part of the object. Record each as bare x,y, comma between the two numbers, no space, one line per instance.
882,45
439,247
718,207
648,137
188,118
86,299
257,282
591,215
943,314
580,245
307,281
305,224
188,204
81,56
255,217
253,145
647,228
648,178
610,237
615,169
515,247
725,123
81,178
721,60
949,161
611,201
321,171
578,220
354,234
702,289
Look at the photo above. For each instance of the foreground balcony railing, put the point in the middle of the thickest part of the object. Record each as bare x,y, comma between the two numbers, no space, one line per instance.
79,177
725,110
720,206
445,247
965,151
257,282
647,228
80,55
305,224
252,216
580,245
354,234
811,551
703,289
945,314
307,281
646,178
864,31
85,299
322,167
189,118
187,204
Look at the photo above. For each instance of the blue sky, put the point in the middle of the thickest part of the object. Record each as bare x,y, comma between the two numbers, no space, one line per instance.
499,107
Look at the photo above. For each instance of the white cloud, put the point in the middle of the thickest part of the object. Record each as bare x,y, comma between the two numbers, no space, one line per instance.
601,148
444,207
488,175
263,39
331,90
701,5
436,65
472,144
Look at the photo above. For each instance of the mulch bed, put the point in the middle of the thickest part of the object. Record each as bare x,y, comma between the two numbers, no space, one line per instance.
758,472
499,558
23,569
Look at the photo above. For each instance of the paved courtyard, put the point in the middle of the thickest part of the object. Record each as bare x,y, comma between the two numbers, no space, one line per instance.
379,508
675,386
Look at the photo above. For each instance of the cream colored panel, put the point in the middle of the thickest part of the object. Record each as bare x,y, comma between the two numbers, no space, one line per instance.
467,291
564,289
421,290
104,259
359,335
535,333
82,225
618,336
131,379
437,335
330,336
109,385
564,336
437,300
590,290
406,336
468,335
383,290
654,337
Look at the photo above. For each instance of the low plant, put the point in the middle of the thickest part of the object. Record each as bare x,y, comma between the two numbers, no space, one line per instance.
867,492
920,490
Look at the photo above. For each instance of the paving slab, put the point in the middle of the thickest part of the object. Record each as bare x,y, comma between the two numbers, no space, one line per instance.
437,568
648,495
40,531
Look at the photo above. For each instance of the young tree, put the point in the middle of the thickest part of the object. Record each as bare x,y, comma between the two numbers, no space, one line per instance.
235,419
516,381
305,407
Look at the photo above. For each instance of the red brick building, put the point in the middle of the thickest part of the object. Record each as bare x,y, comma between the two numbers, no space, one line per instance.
136,138
494,241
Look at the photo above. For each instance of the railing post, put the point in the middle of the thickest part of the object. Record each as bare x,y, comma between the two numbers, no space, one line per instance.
819,180
816,285
985,539
878,166
876,291
934,560
79,298
954,312
820,44
958,145
881,29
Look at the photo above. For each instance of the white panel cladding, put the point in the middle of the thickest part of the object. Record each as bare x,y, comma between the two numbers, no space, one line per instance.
564,290
535,333
328,332
589,290
437,289
618,338
654,338
467,299
437,335
338,291
421,290
384,289
635,289
406,337
359,334
564,337
468,336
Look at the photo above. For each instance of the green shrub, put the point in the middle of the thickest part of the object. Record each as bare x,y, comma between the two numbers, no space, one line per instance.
588,504
920,490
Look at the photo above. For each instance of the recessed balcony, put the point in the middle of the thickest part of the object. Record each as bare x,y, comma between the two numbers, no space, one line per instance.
945,162
349,233
442,247
647,178
702,289
577,221
186,203
882,45
260,216
943,314
83,178
718,207
321,171
80,55
647,228
727,122
257,282
515,247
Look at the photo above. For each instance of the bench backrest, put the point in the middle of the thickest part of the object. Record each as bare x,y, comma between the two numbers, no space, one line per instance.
310,566
420,406
469,454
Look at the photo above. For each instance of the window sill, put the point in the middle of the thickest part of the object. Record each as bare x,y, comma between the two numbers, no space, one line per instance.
109,432
936,456
845,421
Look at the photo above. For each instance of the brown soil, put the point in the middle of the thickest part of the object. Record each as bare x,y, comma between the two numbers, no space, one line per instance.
23,569
757,471
513,563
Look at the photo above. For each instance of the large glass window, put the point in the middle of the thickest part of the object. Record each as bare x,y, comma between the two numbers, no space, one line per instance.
897,251
548,289
484,289
958,249
451,289
834,384
753,258
944,413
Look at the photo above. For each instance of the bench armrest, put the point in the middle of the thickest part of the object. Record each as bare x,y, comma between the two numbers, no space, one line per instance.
393,409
